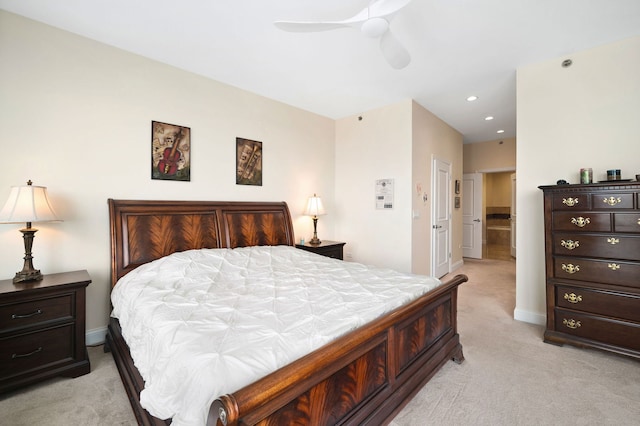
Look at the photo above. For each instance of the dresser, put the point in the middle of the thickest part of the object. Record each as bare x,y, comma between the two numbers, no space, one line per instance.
42,329
325,248
592,245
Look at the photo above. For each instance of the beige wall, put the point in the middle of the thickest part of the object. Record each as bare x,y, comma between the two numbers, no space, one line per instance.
394,142
490,156
76,117
585,115
433,137
498,189
376,147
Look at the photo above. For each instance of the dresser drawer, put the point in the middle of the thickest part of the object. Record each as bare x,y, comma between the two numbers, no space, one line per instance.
571,202
606,330
612,201
627,222
610,246
613,304
39,349
582,221
601,271
32,312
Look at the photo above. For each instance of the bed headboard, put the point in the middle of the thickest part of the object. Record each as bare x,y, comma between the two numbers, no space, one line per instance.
142,231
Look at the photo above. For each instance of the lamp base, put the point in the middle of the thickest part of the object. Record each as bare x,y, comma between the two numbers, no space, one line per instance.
314,241
28,273
22,276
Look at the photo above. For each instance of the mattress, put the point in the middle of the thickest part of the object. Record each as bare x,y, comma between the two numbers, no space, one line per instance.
203,323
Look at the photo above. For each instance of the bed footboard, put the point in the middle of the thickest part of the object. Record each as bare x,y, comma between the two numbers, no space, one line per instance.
364,377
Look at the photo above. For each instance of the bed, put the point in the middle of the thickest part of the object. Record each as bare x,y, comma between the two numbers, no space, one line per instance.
365,376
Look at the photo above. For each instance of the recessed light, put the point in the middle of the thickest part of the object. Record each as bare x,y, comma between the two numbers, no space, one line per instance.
500,131
488,118
472,98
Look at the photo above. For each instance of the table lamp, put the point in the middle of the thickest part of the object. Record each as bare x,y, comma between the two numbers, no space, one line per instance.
315,209
27,204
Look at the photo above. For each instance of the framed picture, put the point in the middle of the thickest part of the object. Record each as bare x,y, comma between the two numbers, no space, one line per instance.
248,162
170,152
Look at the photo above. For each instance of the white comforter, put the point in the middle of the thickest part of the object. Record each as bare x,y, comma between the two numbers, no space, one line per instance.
203,323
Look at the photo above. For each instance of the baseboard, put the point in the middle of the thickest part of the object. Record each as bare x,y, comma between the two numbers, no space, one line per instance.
96,336
457,265
530,317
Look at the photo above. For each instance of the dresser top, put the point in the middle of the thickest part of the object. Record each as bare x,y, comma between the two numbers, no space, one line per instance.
619,185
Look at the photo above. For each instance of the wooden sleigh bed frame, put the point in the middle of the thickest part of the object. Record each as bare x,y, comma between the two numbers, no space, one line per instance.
364,377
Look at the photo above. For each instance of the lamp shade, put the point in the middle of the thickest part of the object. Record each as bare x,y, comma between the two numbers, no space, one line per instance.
314,206
27,204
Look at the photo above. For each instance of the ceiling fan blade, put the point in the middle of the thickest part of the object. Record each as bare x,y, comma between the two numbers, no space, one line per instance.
382,8
307,27
311,26
393,51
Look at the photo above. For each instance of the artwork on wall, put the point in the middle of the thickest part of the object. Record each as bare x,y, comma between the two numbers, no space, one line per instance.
248,162
170,152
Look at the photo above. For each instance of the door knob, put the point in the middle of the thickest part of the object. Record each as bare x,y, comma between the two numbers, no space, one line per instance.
476,220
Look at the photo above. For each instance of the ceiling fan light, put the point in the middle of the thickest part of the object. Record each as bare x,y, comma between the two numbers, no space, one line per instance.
374,27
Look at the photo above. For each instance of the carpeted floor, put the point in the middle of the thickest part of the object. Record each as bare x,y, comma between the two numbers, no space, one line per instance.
509,377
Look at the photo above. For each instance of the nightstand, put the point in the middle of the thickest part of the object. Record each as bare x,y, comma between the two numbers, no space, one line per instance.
42,329
325,248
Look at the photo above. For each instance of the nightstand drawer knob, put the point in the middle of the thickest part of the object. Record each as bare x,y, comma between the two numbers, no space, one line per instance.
14,356
15,316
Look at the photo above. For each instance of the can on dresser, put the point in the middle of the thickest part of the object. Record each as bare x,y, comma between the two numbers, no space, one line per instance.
586,175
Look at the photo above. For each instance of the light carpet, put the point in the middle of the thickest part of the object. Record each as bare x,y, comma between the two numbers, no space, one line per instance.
509,376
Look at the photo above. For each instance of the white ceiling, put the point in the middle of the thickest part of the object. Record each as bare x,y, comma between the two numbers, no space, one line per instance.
458,48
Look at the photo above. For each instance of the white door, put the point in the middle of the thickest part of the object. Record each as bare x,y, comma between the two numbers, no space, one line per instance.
513,215
441,218
472,215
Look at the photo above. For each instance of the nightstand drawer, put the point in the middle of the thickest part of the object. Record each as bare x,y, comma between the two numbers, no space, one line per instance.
332,249
36,311
39,349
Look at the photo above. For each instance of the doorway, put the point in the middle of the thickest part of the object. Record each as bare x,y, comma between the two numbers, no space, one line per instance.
498,199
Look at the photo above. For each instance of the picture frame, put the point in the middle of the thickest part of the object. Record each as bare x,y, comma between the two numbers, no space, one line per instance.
170,152
248,162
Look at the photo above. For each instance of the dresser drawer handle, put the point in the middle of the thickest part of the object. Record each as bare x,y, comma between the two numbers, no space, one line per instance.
613,241
38,312
14,356
573,298
612,201
569,244
580,222
571,323
569,202
570,269
613,266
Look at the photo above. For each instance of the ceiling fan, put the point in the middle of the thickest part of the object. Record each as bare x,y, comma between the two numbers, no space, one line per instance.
373,21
